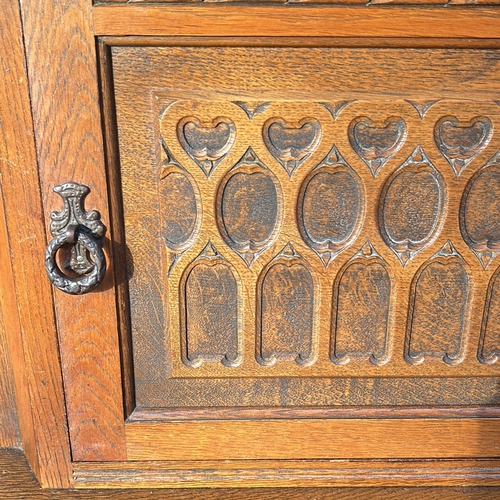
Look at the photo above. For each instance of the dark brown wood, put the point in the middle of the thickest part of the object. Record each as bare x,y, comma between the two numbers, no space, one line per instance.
302,21
31,336
59,45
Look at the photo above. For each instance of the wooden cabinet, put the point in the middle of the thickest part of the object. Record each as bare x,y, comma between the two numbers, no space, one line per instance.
302,230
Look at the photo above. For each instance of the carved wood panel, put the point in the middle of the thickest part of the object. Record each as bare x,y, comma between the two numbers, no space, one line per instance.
299,243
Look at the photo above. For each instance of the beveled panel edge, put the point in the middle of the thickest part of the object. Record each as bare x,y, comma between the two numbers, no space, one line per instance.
290,41
345,412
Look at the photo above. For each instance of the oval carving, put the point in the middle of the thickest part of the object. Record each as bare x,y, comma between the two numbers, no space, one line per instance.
206,143
489,344
291,145
480,213
376,144
330,207
249,204
179,208
286,311
412,206
210,312
461,142
439,310
362,310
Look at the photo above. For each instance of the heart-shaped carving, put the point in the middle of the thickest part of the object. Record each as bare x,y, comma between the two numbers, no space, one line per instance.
206,143
459,142
374,144
291,145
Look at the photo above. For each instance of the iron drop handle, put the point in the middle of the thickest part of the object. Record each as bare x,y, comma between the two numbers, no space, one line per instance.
82,232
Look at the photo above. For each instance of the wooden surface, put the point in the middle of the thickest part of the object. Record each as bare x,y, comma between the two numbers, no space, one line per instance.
178,177
287,473
298,21
9,425
17,482
59,46
308,439
32,341
330,2
67,124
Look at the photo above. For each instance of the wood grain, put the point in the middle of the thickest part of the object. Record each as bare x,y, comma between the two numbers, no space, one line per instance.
9,327
308,439
17,482
34,352
59,46
328,2
289,473
302,21
405,199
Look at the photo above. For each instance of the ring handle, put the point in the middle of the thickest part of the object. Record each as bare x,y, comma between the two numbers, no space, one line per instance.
82,232
84,284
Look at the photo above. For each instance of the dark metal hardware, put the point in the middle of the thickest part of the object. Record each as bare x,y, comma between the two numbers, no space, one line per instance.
82,232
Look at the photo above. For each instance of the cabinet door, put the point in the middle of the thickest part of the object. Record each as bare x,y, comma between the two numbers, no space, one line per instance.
303,267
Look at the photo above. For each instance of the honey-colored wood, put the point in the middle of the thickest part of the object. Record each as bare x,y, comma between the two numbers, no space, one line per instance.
330,2
9,323
31,335
288,473
59,46
186,115
308,439
298,21
17,482
151,178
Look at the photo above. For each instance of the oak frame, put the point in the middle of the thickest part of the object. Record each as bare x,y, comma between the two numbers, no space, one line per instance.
109,412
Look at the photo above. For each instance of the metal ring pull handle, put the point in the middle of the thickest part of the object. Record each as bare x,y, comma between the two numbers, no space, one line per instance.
82,232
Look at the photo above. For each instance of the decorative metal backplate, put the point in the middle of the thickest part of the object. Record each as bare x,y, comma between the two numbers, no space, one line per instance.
82,232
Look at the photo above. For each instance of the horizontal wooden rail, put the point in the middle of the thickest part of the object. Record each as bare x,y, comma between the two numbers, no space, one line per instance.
297,21
313,439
